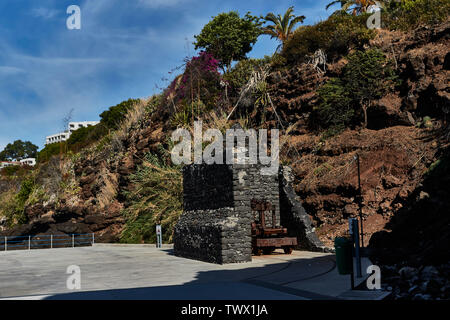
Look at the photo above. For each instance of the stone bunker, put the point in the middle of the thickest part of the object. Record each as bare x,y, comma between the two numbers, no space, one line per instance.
215,225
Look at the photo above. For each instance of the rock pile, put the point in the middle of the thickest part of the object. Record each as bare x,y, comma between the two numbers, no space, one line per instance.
422,283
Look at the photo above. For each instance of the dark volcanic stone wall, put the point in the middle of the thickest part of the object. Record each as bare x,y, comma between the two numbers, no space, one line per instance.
249,184
215,225
216,222
198,235
294,216
202,183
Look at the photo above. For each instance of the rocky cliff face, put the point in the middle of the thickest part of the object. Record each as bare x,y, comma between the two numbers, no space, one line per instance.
394,151
405,165
86,193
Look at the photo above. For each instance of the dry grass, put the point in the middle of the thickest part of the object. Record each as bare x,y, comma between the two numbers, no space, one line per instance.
109,190
133,118
157,197
8,203
112,144
216,121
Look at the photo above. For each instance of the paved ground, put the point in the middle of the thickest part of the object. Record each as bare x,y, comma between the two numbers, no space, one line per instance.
145,272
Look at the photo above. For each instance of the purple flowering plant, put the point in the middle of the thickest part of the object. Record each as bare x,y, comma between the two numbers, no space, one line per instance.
200,81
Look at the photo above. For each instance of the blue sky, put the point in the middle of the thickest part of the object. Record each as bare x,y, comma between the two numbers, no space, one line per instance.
125,49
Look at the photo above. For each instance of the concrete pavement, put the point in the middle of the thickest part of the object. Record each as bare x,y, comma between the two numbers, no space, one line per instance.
145,272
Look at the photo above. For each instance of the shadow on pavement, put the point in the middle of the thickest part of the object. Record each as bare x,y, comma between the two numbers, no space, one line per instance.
263,282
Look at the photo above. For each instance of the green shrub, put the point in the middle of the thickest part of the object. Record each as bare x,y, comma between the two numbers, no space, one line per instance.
85,136
50,150
408,14
9,171
335,108
37,195
8,206
441,167
80,135
112,117
239,75
278,62
335,36
15,171
154,103
344,101
229,37
25,190
157,196
13,206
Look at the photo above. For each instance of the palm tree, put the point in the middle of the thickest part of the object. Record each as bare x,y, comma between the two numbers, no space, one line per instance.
282,27
356,6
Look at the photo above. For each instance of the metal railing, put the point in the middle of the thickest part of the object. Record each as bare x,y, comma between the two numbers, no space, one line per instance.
46,241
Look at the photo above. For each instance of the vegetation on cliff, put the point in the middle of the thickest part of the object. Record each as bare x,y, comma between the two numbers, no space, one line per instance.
336,88
343,101
156,198
229,37
18,150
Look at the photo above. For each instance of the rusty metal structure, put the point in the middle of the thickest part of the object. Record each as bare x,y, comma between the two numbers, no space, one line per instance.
266,238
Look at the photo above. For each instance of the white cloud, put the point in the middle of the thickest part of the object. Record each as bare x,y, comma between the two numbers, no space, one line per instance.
8,70
55,84
112,58
98,6
44,13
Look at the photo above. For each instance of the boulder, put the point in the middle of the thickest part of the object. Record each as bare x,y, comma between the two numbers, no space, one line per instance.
408,272
142,144
429,272
87,179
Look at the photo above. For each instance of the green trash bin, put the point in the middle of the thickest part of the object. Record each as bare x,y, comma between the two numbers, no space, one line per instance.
344,254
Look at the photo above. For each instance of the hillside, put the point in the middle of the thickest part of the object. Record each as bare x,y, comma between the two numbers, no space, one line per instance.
120,185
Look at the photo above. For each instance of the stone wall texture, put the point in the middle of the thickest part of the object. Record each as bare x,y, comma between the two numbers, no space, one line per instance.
216,222
294,216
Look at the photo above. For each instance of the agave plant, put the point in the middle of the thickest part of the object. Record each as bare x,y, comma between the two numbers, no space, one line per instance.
282,27
355,6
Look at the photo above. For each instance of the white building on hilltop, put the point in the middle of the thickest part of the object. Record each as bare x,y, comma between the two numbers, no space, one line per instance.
83,124
73,126
28,161
58,137
24,162
4,164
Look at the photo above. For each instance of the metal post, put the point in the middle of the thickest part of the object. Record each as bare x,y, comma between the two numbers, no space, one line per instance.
93,238
51,241
357,254
352,273
29,242
73,241
158,236
360,201
6,243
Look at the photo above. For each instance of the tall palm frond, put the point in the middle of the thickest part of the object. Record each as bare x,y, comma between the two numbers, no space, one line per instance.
356,6
342,2
282,27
